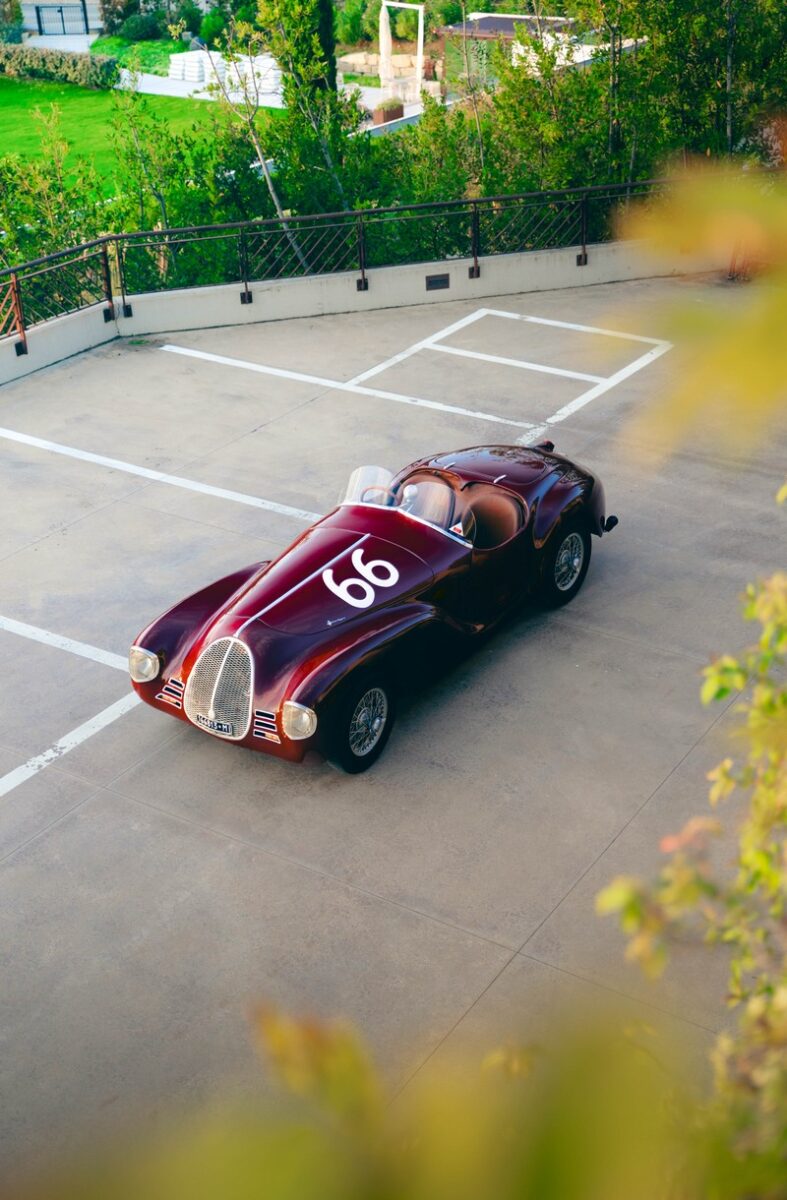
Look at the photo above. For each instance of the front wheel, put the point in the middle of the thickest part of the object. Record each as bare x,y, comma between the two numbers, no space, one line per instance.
566,565
363,723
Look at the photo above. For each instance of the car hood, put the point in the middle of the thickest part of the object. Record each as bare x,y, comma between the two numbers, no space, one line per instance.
308,590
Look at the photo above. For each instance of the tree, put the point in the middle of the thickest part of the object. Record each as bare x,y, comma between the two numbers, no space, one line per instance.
10,21
474,88
171,180
548,124
318,119
49,202
326,20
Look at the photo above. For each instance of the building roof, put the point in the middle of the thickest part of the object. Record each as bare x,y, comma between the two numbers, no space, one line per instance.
504,25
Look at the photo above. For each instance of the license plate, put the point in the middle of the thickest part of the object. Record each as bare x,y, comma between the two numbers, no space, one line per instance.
216,726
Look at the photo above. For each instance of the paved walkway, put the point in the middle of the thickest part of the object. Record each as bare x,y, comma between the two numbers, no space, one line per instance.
162,85
76,43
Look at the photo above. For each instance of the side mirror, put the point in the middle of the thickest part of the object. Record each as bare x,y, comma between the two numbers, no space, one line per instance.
610,524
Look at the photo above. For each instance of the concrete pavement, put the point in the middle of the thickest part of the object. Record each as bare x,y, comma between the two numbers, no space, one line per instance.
157,882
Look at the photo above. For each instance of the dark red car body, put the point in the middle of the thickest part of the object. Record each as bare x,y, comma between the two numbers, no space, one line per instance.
304,641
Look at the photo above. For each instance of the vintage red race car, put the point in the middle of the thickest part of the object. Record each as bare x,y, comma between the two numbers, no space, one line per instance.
310,650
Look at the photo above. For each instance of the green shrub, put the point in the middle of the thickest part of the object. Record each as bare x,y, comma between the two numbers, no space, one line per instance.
213,24
246,11
114,13
349,23
190,14
87,70
10,33
141,27
371,19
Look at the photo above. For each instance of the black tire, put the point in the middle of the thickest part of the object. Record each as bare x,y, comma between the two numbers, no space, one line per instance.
355,699
562,576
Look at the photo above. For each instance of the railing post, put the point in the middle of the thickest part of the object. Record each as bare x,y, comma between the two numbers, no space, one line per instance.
362,284
109,311
582,258
19,315
474,272
243,256
120,274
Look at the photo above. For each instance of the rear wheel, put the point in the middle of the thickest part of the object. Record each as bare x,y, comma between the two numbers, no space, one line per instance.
362,725
566,564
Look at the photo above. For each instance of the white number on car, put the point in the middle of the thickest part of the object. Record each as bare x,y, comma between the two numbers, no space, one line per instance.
359,593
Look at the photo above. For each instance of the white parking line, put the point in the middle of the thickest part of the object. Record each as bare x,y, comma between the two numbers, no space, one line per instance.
35,634
191,485
422,345
355,388
65,744
574,405
513,316
516,362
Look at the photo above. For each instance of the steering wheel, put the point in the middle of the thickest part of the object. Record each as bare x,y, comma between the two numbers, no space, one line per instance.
469,525
376,488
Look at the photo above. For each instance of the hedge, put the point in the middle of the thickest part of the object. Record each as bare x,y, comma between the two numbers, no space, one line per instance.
28,62
141,27
11,32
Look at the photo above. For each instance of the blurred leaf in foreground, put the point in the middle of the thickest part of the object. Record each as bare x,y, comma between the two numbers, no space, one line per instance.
729,363
325,1062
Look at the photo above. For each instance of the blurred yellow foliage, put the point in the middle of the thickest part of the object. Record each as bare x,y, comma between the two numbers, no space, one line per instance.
594,1116
325,1061
732,353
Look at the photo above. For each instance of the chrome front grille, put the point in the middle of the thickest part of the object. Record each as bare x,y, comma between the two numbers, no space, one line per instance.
218,693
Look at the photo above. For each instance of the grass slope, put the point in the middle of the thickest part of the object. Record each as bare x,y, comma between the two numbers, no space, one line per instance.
85,118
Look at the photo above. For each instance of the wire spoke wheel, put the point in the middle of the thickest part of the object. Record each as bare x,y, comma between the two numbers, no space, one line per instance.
367,722
568,562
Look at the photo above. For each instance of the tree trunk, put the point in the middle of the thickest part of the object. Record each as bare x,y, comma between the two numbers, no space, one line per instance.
327,40
471,91
247,117
274,195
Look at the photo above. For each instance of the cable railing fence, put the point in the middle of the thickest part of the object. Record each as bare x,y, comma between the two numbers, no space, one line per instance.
113,269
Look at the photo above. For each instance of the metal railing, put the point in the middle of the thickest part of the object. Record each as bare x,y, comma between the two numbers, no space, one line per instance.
119,266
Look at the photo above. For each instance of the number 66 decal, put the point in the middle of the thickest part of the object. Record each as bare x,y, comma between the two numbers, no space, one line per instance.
378,572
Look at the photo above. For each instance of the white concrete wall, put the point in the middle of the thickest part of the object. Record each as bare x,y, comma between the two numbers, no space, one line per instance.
389,287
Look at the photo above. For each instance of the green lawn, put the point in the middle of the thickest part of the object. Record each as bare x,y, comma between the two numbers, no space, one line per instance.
151,57
363,80
85,118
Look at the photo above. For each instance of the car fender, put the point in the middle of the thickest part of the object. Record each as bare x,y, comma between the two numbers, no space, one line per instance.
560,501
316,679
182,624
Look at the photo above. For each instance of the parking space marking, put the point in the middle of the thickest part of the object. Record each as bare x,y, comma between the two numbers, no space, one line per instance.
629,337
67,743
191,485
516,362
435,342
355,388
94,653
606,385
422,345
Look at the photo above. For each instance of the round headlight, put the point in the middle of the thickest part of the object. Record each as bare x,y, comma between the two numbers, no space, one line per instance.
143,665
298,722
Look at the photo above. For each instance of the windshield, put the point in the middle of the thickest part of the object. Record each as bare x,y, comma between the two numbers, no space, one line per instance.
368,485
428,499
